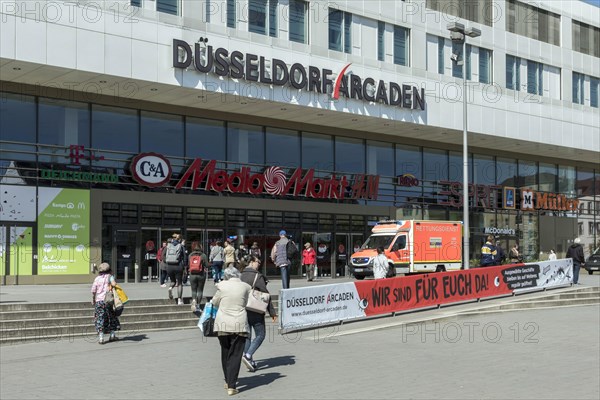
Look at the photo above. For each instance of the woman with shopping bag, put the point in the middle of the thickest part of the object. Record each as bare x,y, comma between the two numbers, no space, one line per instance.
103,300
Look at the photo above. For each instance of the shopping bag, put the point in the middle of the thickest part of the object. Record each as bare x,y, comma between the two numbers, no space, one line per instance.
206,323
121,294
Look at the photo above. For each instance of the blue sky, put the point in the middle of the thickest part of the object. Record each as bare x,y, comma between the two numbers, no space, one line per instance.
594,2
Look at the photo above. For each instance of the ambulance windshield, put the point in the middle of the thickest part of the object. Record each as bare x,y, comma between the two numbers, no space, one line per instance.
374,241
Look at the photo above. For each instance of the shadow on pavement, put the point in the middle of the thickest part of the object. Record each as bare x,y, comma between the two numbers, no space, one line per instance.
133,338
250,382
276,362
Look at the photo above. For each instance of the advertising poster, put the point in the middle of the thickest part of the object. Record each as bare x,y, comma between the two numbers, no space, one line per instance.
63,231
309,307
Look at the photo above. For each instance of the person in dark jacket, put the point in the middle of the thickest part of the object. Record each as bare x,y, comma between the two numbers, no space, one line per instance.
256,320
488,253
500,254
575,251
197,278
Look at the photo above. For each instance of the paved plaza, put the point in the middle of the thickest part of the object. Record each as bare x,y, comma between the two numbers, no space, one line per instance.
525,354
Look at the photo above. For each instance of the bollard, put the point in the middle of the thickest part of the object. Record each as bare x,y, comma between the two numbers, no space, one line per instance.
149,273
136,270
126,274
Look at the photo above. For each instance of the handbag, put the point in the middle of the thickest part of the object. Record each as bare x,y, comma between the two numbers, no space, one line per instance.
109,297
207,320
119,292
118,303
258,301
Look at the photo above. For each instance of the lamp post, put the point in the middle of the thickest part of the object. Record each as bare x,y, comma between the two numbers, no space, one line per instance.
458,34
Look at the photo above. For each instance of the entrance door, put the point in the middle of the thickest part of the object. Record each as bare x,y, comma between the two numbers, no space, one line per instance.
125,252
340,256
18,255
150,243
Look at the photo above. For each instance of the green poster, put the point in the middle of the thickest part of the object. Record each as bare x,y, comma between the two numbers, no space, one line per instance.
63,231
21,255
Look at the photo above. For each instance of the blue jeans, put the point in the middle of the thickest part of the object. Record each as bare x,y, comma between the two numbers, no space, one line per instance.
217,270
576,268
256,321
285,276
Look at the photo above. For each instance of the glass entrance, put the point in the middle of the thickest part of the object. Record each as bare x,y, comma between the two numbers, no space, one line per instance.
150,243
18,255
125,253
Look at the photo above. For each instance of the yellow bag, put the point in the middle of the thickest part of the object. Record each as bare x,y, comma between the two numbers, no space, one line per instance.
121,294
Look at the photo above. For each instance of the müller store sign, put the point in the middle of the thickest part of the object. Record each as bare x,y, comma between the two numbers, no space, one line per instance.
253,68
154,170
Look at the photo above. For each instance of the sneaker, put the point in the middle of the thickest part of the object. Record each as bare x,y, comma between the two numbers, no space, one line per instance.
112,337
163,285
232,392
255,365
101,338
248,363
193,306
170,293
179,302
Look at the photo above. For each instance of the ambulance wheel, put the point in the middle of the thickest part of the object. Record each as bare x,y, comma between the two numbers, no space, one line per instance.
591,271
359,277
440,268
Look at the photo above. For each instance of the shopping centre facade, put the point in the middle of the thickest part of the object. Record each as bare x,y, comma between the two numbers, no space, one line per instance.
123,122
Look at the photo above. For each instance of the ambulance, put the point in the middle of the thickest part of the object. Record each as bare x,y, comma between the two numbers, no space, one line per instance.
411,246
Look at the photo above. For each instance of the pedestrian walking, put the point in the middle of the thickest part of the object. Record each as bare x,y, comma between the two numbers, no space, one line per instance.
174,260
229,252
216,258
197,266
513,255
380,264
309,261
231,324
162,265
500,254
256,321
255,251
186,272
488,253
551,255
105,319
281,260
575,252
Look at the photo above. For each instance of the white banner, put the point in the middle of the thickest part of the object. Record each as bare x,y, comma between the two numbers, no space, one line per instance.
319,305
543,275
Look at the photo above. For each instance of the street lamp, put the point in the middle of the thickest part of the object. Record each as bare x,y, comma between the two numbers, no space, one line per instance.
458,34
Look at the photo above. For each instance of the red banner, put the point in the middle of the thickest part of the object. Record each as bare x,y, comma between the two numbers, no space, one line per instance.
418,291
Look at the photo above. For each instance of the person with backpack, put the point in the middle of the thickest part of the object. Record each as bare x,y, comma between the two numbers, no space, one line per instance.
281,255
216,258
198,266
174,260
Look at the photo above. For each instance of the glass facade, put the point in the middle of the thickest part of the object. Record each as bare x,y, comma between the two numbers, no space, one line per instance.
298,21
412,180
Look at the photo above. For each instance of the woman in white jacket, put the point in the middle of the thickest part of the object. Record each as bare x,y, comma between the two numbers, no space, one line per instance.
380,264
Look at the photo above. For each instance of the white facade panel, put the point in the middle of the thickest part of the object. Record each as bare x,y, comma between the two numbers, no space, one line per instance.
62,46
90,50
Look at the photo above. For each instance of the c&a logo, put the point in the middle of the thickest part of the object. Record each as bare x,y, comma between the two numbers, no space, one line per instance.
151,169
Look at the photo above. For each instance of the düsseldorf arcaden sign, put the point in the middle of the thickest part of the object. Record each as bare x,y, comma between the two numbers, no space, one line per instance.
253,68
154,170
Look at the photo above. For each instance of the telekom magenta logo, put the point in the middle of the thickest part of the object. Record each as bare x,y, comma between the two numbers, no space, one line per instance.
338,82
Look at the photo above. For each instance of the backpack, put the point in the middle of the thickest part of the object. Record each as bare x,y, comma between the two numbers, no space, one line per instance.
149,246
174,253
196,264
291,250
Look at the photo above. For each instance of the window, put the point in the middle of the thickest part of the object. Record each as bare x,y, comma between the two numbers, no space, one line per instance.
535,83
586,38
136,3
578,81
349,155
548,177
532,22
441,43
17,123
594,90
513,73
400,45
298,26
317,151
199,132
381,41
115,128
479,11
62,123
340,35
162,133
457,48
283,147
231,13
262,17
168,6
468,61
485,66
245,144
